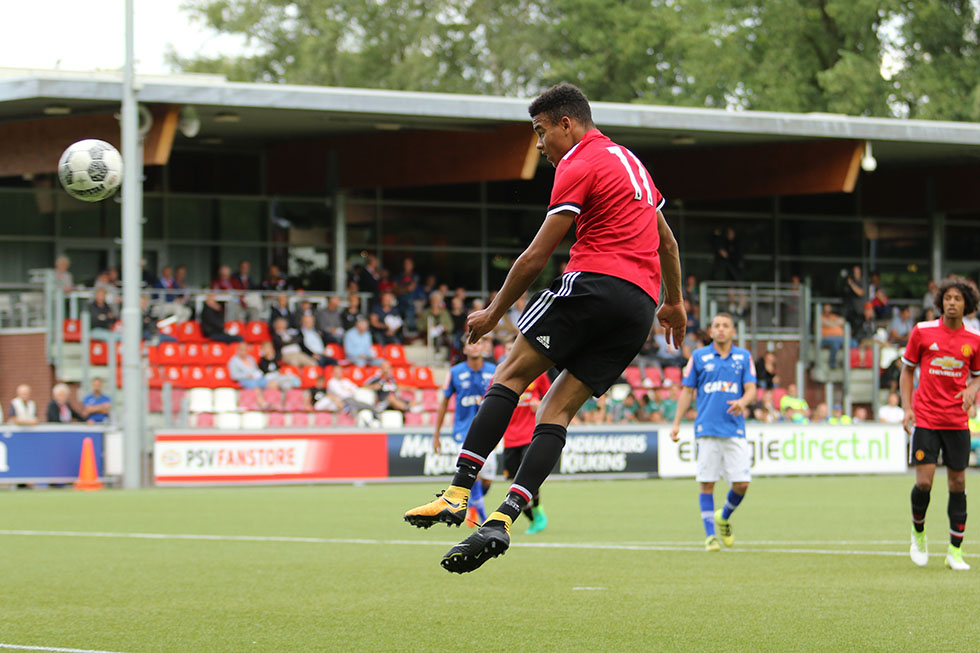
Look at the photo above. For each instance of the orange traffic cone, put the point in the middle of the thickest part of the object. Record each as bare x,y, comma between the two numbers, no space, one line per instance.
88,475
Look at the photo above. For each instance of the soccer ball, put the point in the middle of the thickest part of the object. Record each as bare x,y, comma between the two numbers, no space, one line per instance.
90,170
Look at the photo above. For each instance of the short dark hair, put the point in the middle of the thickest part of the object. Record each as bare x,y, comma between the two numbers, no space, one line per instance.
971,297
562,100
725,315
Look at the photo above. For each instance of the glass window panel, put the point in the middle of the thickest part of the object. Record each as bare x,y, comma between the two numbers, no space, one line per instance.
821,238
362,221
825,204
897,240
431,226
242,220
79,219
963,242
445,193
152,217
755,235
17,258
514,227
190,218
29,213
197,259
534,192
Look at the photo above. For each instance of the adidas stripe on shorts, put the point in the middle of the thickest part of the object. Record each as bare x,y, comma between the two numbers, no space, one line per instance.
590,324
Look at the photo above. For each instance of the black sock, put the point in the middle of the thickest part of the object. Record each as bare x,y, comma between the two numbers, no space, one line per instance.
956,508
528,513
920,503
487,428
540,458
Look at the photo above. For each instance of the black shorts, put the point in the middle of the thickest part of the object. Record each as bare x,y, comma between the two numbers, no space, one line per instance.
927,443
590,324
512,460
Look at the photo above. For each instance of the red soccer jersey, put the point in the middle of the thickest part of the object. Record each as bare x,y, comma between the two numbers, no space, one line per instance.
616,205
946,359
521,425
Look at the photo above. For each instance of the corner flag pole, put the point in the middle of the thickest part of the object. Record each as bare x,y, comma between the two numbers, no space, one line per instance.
132,246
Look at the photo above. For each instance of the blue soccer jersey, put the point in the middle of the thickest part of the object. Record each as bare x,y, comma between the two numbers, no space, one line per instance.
719,380
469,386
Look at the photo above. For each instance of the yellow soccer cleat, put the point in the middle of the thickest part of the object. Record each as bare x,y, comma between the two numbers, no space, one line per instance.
449,508
954,559
724,529
712,544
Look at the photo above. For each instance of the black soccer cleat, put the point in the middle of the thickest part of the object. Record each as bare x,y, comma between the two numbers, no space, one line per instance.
489,541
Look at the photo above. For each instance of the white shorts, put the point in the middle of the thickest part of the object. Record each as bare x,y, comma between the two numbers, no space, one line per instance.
728,457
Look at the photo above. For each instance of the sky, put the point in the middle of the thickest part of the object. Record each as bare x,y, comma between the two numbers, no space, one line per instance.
78,35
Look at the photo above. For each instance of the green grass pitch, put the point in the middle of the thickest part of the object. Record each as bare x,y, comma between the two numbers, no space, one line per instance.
819,564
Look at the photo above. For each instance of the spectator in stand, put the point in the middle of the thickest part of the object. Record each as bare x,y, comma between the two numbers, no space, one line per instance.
102,317
832,333
971,322
62,277
357,344
305,308
838,416
860,415
648,356
269,364
666,396
385,284
409,293
149,279
180,283
170,303
96,406
766,373
514,315
344,390
287,344
386,323
150,329
874,284
386,388
23,410
892,412
794,409
891,375
458,313
729,264
821,413
690,289
929,315
693,324
317,398
213,321
853,296
111,290
883,308
668,355
437,324
244,370
369,277
312,343
60,409
350,315
901,326
764,409
867,329
281,309
222,281
328,320
250,302
929,299
274,281
429,287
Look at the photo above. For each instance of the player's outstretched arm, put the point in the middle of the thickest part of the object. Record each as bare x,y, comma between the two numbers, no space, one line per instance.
525,270
683,403
671,314
905,381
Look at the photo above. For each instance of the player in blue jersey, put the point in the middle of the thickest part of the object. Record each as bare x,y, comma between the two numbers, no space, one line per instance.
724,377
469,381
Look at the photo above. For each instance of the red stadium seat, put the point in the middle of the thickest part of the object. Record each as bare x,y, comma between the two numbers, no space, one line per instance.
169,329
674,374
194,376
395,354
322,418
155,401
254,350
153,376
430,400
189,331
248,399
869,361
172,374
343,419
309,374
216,353
413,419
402,374
71,330
357,374
204,420
151,354
194,354
256,331
377,351
277,420
653,374
777,395
299,420
273,398
98,353
633,377
422,378
295,401
217,377
333,350
169,353
290,369
235,328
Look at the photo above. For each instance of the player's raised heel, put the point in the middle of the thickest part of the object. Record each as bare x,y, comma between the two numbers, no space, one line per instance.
919,551
954,559
724,528
489,541
449,507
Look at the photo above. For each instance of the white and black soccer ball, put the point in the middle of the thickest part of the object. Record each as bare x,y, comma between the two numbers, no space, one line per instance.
90,170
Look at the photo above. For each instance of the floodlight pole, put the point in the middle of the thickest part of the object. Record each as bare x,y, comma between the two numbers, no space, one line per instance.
132,246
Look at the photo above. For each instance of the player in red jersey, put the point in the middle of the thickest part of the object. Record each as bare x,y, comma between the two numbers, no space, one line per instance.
590,323
947,354
517,438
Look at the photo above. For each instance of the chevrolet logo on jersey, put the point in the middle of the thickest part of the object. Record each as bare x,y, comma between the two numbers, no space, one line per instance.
722,386
947,363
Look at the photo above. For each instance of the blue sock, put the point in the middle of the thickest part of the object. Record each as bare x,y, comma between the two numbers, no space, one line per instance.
476,500
734,498
708,513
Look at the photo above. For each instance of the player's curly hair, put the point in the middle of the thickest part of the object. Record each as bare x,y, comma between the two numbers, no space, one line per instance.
562,100
971,296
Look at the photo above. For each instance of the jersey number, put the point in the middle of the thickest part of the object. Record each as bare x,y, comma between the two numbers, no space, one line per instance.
640,170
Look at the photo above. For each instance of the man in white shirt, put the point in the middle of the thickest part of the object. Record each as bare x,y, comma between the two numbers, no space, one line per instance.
891,413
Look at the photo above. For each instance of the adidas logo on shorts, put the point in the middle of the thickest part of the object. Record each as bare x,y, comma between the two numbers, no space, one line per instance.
545,341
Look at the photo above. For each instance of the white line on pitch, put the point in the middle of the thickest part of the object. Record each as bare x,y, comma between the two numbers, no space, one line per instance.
53,649
599,546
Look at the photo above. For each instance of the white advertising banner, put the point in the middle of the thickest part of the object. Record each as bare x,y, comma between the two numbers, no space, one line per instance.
779,449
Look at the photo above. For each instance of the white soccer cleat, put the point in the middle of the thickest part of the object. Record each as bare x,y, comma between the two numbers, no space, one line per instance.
919,550
954,559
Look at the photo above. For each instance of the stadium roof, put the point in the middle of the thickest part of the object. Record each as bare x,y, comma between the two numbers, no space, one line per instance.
696,152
